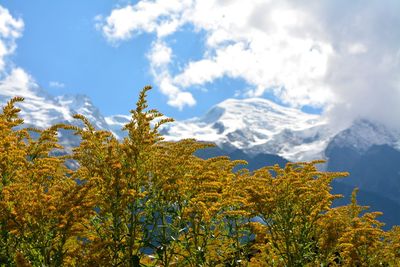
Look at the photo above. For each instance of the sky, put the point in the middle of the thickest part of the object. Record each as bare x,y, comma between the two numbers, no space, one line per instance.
339,58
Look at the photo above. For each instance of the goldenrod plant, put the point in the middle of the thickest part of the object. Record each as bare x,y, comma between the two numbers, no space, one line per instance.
143,201
42,207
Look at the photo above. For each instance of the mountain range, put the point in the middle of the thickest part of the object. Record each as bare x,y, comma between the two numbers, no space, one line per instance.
260,132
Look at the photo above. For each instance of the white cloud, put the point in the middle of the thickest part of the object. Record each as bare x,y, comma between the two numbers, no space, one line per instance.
14,81
17,82
160,56
181,99
357,48
341,55
144,17
10,29
56,84
9,26
176,97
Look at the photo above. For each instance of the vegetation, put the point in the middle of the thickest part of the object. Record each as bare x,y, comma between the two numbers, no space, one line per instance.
146,202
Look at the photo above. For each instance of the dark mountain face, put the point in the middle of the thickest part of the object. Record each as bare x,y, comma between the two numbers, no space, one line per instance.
375,202
376,172
256,162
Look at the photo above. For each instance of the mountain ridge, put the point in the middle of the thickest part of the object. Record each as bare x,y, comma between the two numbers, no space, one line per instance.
253,125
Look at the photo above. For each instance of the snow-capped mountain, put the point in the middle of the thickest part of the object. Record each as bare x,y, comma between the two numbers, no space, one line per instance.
42,110
116,123
39,108
254,125
363,134
82,104
257,126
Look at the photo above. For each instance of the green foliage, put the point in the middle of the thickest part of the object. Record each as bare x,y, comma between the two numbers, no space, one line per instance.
143,201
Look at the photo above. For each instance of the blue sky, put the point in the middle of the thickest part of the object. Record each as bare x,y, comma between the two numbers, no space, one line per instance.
65,54
61,44
318,57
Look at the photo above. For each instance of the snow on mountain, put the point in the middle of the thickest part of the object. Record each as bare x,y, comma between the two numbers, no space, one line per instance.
252,125
363,134
256,126
42,110
82,104
39,108
116,123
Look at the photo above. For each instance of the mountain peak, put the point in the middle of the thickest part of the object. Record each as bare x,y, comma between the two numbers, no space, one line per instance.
82,104
263,104
251,101
363,134
254,125
39,108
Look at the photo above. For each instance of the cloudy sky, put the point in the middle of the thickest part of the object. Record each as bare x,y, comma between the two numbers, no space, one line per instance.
340,58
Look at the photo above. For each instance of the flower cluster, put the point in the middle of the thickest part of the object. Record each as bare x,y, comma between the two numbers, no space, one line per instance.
143,201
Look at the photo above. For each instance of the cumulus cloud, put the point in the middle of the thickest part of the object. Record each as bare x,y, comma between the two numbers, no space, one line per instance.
160,57
10,29
17,83
162,16
341,55
13,80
